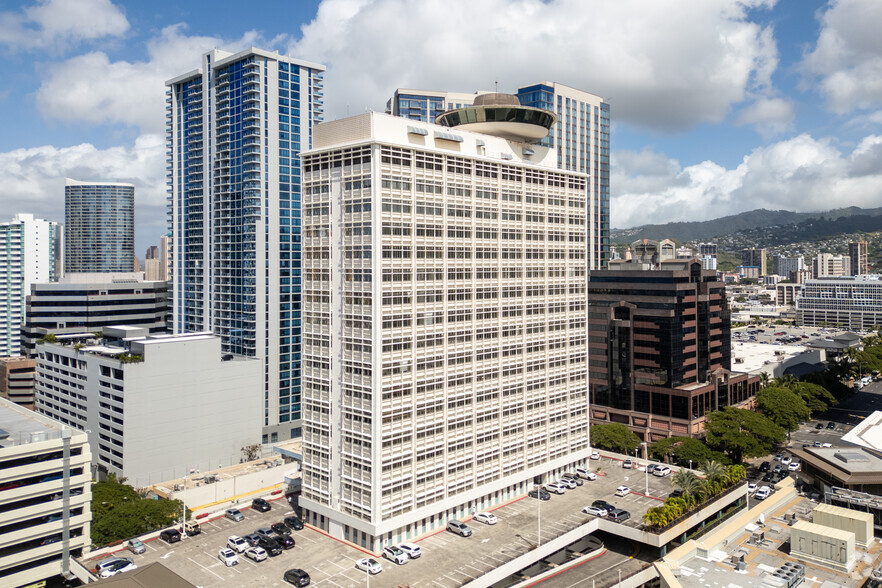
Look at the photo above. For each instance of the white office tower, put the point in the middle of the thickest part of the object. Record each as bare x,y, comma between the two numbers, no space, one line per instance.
235,129
29,254
445,355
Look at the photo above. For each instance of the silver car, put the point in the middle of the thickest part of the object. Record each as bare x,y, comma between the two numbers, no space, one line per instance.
234,514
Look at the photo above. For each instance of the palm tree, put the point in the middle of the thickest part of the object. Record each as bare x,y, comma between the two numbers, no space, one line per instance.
688,482
713,470
764,379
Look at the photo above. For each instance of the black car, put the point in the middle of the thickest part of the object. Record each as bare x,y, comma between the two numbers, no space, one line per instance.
252,539
676,493
297,577
603,504
540,494
280,528
764,467
285,540
170,536
260,504
831,425
294,523
819,426
767,477
271,546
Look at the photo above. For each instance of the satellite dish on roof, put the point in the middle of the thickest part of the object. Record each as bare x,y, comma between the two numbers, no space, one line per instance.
762,518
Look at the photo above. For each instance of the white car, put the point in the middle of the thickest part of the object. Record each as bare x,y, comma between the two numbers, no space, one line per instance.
595,455
412,550
826,445
590,476
369,565
556,488
256,553
488,518
237,543
751,487
628,464
228,557
793,466
763,493
786,460
585,473
595,511
115,566
571,484
623,491
395,555
661,471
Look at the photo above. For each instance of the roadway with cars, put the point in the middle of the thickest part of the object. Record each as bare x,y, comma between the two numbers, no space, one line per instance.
447,560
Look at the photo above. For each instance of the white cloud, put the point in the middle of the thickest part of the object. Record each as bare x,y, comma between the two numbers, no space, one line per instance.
659,67
33,179
848,55
802,174
53,24
770,116
90,88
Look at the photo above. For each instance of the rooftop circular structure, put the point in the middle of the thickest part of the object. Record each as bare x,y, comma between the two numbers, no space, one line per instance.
501,115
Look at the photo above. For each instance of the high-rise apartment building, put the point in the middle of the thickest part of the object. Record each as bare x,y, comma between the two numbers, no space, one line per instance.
707,249
580,139
857,253
829,265
445,338
852,302
88,302
29,250
660,348
755,258
236,128
165,257
99,220
152,252
790,265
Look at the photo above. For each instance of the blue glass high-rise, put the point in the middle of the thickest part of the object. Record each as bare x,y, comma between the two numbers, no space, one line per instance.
235,129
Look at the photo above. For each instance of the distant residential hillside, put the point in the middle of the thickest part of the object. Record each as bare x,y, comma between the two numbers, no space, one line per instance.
789,226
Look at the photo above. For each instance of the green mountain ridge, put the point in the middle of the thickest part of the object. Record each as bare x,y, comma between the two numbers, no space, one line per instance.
791,226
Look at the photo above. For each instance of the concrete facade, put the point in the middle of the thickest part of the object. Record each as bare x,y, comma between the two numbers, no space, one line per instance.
853,302
823,545
844,519
156,406
45,496
17,377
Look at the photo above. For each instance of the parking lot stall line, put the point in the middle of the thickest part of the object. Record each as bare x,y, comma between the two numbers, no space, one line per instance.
205,568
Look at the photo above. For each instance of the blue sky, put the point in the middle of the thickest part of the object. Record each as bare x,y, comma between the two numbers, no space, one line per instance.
718,106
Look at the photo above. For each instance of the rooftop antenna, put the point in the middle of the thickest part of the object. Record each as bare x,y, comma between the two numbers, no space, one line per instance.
496,90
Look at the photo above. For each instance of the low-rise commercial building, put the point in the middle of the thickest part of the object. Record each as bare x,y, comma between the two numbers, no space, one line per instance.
17,376
156,406
45,496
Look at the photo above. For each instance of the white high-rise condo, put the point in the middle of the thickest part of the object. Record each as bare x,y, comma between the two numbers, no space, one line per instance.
236,127
99,220
445,354
580,138
29,253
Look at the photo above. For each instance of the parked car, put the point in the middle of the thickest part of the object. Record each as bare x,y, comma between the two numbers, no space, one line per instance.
793,466
256,553
763,493
280,529
369,565
819,426
677,493
273,548
764,467
136,546
767,477
595,455
623,491
261,504
618,515
117,565
192,528
395,555
569,483
574,477
603,504
297,577
662,471
228,557
825,445
285,540
459,528
412,550
831,425
170,536
786,460
294,523
585,473
252,539
595,511
234,514
751,487
556,488
237,543
264,532
777,469
540,494
488,518
627,464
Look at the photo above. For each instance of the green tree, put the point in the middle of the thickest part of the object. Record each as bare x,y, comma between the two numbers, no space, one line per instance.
742,433
816,397
783,406
119,512
713,470
764,379
682,450
615,437
688,482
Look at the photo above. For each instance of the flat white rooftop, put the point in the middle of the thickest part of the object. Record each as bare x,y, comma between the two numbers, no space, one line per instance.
19,426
